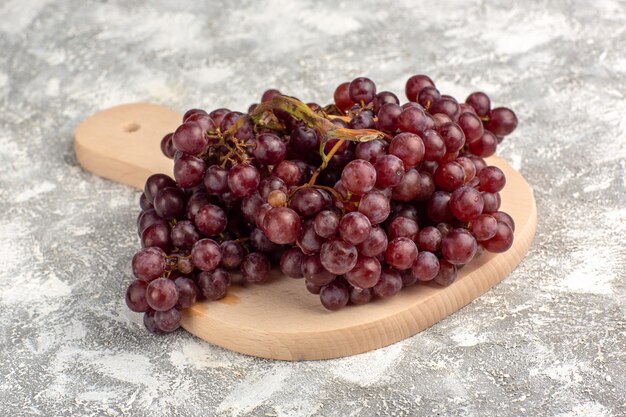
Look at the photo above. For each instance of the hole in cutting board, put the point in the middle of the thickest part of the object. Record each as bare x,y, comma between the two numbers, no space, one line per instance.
131,127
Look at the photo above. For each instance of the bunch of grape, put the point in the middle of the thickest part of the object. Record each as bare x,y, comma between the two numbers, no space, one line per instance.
360,198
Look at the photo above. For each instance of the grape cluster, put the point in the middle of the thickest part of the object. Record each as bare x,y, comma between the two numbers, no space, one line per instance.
360,198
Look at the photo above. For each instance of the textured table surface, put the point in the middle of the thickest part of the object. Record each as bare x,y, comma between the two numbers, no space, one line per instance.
549,340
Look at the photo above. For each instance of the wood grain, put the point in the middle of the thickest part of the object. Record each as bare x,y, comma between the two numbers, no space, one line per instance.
280,319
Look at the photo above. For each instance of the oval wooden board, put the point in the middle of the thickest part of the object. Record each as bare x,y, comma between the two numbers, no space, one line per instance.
280,319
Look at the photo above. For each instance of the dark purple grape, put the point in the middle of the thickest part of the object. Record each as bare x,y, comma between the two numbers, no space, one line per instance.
232,254
206,254
289,172
309,241
229,119
184,234
501,241
502,121
192,112
261,243
315,273
492,179
148,264
250,207
342,96
335,295
188,292
434,146
216,180
425,267
363,120
438,208
303,140
471,125
416,84
195,203
307,202
167,146
375,244
371,151
136,296
365,273
362,90
156,182
401,253
458,246
269,150
312,288
148,322
446,105
375,206
269,94
360,296
161,294
255,268
428,96
491,202
210,220
169,203
189,171
389,284
291,263
466,203
281,225
452,136
243,180
167,321
480,102
337,256
218,115
449,176
384,97
214,284
485,145
189,138
157,234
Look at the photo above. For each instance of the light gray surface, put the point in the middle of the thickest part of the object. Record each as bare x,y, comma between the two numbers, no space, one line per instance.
549,340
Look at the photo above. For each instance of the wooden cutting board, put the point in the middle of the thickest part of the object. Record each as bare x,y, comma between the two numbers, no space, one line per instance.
281,319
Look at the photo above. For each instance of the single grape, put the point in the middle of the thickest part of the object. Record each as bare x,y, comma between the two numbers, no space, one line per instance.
409,148
206,254
354,227
471,125
192,112
136,296
203,120
452,136
229,119
255,268
184,234
447,273
307,202
148,264
416,84
466,203
359,296
491,202
492,179
195,203
289,172
365,273
261,243
335,295
434,146
501,241
504,217
303,140
428,96
189,138
388,117
216,180
270,149
189,171
412,120
401,253
167,321
214,284
358,176
408,279
169,202
315,273
449,176
312,288
458,246
389,171
261,212
161,294
375,244
362,90
342,97
281,225
402,227
383,98
375,206
156,182
469,168
337,256
148,322
243,180
326,223
157,234
211,220
484,227
269,94
446,105
409,188
502,121
426,266
187,292
429,239
363,120
438,209
232,254
291,263
167,146
389,284
485,145
371,151
480,102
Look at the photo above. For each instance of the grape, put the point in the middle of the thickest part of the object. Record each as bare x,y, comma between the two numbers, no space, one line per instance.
281,225
187,292
167,146
161,294
334,295
491,179
362,90
458,246
409,187
390,284
156,182
480,102
501,241
504,217
337,256
447,106
342,97
255,268
167,321
363,120
148,218
261,212
425,267
408,278
383,98
438,208
449,176
375,244
289,172
409,148
429,239
291,263
469,169
307,202
148,264
354,228
502,121
428,96
189,138
189,171
184,234
491,202
360,296
232,254
412,120
466,203
269,94
214,284
206,254
169,202
434,146
416,84
447,273
148,322
452,136
210,220
326,223
370,151
401,253
195,203
157,234
312,288
388,117
358,176
484,227
269,150
192,112
229,119
389,171
216,180
260,242
303,141
243,180
403,227
315,273
203,120
375,206
471,125
485,145
365,273
136,296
